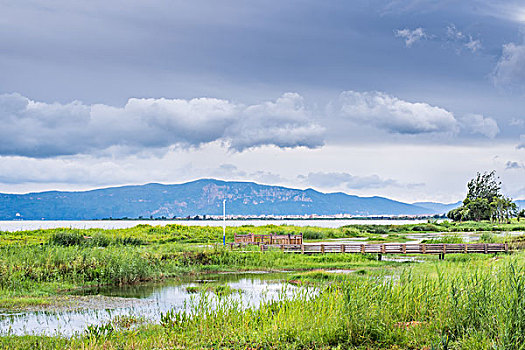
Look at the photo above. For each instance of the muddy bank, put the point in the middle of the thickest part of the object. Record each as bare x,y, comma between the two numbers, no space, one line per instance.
71,303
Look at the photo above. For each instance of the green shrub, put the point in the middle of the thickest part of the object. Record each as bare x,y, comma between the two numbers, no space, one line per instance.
313,234
487,237
66,239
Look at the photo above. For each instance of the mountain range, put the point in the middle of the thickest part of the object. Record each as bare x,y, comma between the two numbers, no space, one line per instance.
201,197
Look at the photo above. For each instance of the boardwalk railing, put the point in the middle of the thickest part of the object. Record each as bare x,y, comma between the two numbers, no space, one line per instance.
390,248
268,239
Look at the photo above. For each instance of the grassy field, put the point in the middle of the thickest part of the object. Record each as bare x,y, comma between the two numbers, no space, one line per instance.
464,302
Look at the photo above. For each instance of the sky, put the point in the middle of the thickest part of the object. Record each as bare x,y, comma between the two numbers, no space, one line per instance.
402,99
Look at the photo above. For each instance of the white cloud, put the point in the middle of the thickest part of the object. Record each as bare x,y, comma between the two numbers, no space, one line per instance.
466,40
521,145
510,69
478,124
395,115
36,129
266,177
284,123
232,172
517,122
473,45
337,179
454,33
510,165
411,36
20,170
228,171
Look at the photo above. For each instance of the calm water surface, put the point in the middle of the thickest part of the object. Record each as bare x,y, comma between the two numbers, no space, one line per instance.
115,224
148,301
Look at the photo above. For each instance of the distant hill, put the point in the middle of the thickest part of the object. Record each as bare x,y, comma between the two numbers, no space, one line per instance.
438,208
201,197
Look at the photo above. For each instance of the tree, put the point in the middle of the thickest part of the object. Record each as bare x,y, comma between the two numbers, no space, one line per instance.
521,214
503,209
485,186
478,209
484,201
459,214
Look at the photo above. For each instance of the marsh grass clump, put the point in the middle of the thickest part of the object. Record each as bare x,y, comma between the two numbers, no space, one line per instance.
127,321
67,239
97,239
318,277
448,239
100,332
487,237
429,227
193,289
218,289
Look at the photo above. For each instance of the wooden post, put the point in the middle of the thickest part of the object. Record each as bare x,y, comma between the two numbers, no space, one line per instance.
383,249
506,247
423,248
404,248
302,248
466,248
485,247
362,248
322,248
253,239
289,239
379,257
282,247
444,250
262,247
342,248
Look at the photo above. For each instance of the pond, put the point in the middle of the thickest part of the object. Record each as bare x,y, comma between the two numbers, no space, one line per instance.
146,301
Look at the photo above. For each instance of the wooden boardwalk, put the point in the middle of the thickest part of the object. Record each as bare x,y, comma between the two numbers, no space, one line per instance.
388,248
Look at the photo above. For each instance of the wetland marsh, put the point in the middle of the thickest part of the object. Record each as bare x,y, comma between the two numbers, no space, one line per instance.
174,287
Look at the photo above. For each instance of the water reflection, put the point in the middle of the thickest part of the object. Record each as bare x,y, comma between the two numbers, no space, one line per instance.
146,301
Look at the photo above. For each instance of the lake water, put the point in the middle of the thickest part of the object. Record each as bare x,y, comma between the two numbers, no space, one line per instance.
148,301
24,225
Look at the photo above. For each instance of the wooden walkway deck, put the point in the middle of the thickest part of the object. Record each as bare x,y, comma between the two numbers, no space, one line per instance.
389,248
